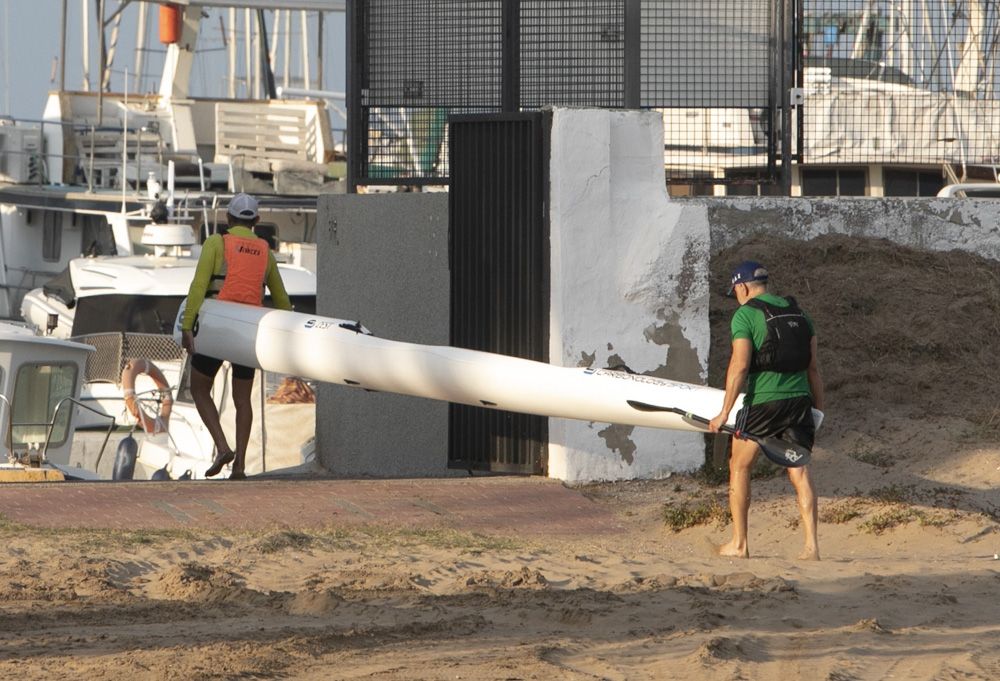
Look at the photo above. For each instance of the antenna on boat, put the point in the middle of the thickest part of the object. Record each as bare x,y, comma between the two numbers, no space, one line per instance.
6,58
204,206
124,175
170,187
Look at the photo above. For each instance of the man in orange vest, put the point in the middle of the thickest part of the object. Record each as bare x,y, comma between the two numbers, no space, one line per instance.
233,266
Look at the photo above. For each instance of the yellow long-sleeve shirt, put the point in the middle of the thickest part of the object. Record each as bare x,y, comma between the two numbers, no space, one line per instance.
210,263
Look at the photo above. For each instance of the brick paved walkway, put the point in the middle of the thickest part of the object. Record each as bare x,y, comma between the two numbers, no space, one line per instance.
495,505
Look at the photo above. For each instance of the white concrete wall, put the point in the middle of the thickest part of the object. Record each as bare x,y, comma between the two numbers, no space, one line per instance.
629,283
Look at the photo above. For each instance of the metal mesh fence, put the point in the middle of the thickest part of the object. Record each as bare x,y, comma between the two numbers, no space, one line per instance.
710,54
424,60
572,53
909,84
419,61
900,82
115,350
707,66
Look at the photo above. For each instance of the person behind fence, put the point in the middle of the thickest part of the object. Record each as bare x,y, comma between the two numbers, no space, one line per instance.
233,266
774,353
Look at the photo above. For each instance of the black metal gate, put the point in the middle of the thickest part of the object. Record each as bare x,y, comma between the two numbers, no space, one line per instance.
499,261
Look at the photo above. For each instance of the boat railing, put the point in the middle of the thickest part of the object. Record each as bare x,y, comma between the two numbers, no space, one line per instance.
52,424
104,146
36,456
966,189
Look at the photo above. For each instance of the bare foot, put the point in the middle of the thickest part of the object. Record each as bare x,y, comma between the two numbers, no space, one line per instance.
733,550
809,554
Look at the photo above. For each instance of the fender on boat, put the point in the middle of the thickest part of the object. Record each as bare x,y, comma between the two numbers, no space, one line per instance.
125,457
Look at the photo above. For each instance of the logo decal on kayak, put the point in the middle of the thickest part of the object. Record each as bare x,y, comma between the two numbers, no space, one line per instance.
638,378
317,324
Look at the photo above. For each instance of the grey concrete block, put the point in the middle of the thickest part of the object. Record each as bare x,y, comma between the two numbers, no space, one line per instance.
383,261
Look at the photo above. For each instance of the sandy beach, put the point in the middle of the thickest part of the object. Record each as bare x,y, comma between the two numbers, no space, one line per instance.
907,467
906,590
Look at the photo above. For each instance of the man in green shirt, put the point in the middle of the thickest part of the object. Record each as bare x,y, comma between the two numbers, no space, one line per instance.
774,354
233,266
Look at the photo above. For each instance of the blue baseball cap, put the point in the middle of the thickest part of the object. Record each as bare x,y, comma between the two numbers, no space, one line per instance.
746,272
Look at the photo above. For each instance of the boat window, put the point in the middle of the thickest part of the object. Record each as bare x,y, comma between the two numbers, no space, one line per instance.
98,238
52,236
834,181
903,182
37,391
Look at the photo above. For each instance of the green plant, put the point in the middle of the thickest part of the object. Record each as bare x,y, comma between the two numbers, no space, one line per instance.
840,513
881,522
284,539
873,457
892,494
689,514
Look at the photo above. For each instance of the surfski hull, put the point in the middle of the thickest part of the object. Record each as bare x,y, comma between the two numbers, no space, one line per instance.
342,352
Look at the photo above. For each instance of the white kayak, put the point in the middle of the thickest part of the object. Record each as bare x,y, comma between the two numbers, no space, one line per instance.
343,352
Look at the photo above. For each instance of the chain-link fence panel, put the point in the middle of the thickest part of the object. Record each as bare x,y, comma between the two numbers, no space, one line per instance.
901,83
572,53
708,65
115,350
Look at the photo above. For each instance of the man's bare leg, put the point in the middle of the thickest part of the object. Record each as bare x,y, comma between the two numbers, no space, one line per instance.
201,391
740,463
242,389
807,507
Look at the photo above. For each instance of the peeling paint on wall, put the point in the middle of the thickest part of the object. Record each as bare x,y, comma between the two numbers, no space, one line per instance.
616,363
681,362
618,440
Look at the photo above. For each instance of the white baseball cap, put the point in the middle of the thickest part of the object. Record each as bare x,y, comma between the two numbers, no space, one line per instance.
243,206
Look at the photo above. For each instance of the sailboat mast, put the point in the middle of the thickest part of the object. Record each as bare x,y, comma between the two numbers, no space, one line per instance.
319,50
248,39
85,43
232,48
305,52
140,45
288,48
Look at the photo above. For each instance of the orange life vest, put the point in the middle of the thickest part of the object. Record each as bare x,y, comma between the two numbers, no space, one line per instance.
244,269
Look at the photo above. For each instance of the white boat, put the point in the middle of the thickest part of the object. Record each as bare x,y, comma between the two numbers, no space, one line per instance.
40,382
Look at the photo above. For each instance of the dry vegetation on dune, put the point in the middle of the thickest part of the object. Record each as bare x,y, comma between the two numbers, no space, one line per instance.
896,326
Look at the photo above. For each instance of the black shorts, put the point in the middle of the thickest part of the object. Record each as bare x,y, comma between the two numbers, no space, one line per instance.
791,419
210,367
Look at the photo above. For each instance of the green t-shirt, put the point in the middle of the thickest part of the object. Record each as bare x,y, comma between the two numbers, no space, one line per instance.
767,386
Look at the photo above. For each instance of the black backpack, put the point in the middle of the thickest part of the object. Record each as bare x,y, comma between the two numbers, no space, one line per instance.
787,347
